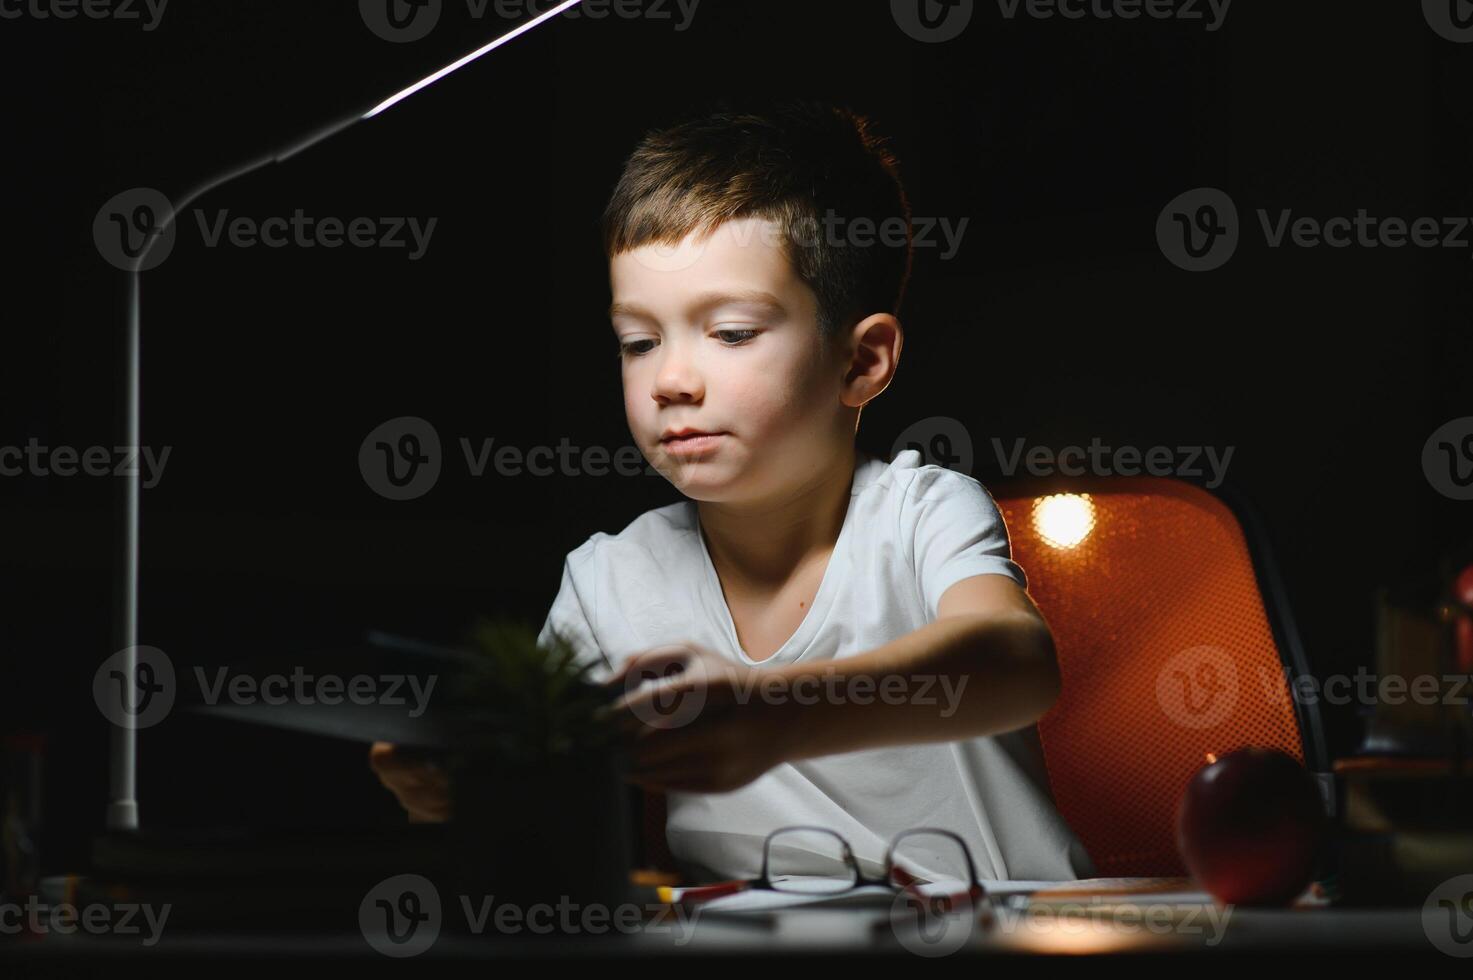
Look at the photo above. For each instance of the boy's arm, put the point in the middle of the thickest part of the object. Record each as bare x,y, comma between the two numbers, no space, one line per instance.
985,666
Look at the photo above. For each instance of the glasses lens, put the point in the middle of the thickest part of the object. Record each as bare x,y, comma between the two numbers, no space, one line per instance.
936,861
809,861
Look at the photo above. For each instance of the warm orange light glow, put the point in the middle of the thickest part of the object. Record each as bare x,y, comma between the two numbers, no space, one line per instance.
1064,519
1211,758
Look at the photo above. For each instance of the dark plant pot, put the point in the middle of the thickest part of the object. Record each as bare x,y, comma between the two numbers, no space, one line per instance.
553,831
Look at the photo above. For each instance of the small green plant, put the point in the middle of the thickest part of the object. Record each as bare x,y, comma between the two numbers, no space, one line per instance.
522,705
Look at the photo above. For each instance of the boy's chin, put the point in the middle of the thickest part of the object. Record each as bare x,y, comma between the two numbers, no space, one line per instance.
704,479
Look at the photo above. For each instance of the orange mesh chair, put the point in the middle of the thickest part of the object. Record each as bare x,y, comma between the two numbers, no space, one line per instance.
1175,645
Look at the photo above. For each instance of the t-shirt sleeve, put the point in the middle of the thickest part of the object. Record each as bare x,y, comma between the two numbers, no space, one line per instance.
957,532
573,613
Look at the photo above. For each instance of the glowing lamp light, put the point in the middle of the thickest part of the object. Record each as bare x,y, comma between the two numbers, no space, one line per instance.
1064,519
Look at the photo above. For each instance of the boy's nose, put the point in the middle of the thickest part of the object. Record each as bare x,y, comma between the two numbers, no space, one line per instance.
677,380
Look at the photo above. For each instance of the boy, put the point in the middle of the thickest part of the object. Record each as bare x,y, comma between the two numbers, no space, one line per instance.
757,264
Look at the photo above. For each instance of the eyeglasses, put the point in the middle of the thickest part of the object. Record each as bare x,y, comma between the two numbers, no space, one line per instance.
926,861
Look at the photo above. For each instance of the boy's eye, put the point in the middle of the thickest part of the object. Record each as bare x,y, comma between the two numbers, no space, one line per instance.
628,348
732,338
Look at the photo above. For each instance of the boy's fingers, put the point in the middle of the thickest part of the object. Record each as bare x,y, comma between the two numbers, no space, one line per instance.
664,707
639,711
393,765
410,777
654,661
419,778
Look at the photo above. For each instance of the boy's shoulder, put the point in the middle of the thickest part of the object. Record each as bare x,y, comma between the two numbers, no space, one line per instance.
912,481
656,533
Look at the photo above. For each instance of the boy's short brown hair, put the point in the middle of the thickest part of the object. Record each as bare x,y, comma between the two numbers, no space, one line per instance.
813,168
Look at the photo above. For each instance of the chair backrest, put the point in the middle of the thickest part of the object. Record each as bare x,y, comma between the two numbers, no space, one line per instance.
1175,647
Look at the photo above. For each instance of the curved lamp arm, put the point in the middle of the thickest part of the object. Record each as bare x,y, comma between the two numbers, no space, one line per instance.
122,809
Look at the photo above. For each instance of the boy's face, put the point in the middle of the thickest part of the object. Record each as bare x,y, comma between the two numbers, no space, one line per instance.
722,336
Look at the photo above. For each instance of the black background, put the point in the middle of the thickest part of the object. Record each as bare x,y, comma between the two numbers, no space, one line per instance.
1058,321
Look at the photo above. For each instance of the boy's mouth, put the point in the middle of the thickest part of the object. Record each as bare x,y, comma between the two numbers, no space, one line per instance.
692,441
677,435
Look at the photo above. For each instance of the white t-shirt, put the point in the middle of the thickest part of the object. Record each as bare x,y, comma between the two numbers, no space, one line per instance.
911,531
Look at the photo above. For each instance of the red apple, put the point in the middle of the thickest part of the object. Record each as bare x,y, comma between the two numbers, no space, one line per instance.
1249,827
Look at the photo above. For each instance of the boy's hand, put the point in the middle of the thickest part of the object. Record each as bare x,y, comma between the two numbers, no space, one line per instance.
706,730
421,787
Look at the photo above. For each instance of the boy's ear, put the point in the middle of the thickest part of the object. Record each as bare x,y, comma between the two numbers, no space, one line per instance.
873,356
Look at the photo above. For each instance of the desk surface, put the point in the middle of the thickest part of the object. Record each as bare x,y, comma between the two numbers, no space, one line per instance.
1169,929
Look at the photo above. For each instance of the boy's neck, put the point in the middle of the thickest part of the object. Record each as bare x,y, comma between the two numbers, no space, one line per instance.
759,546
